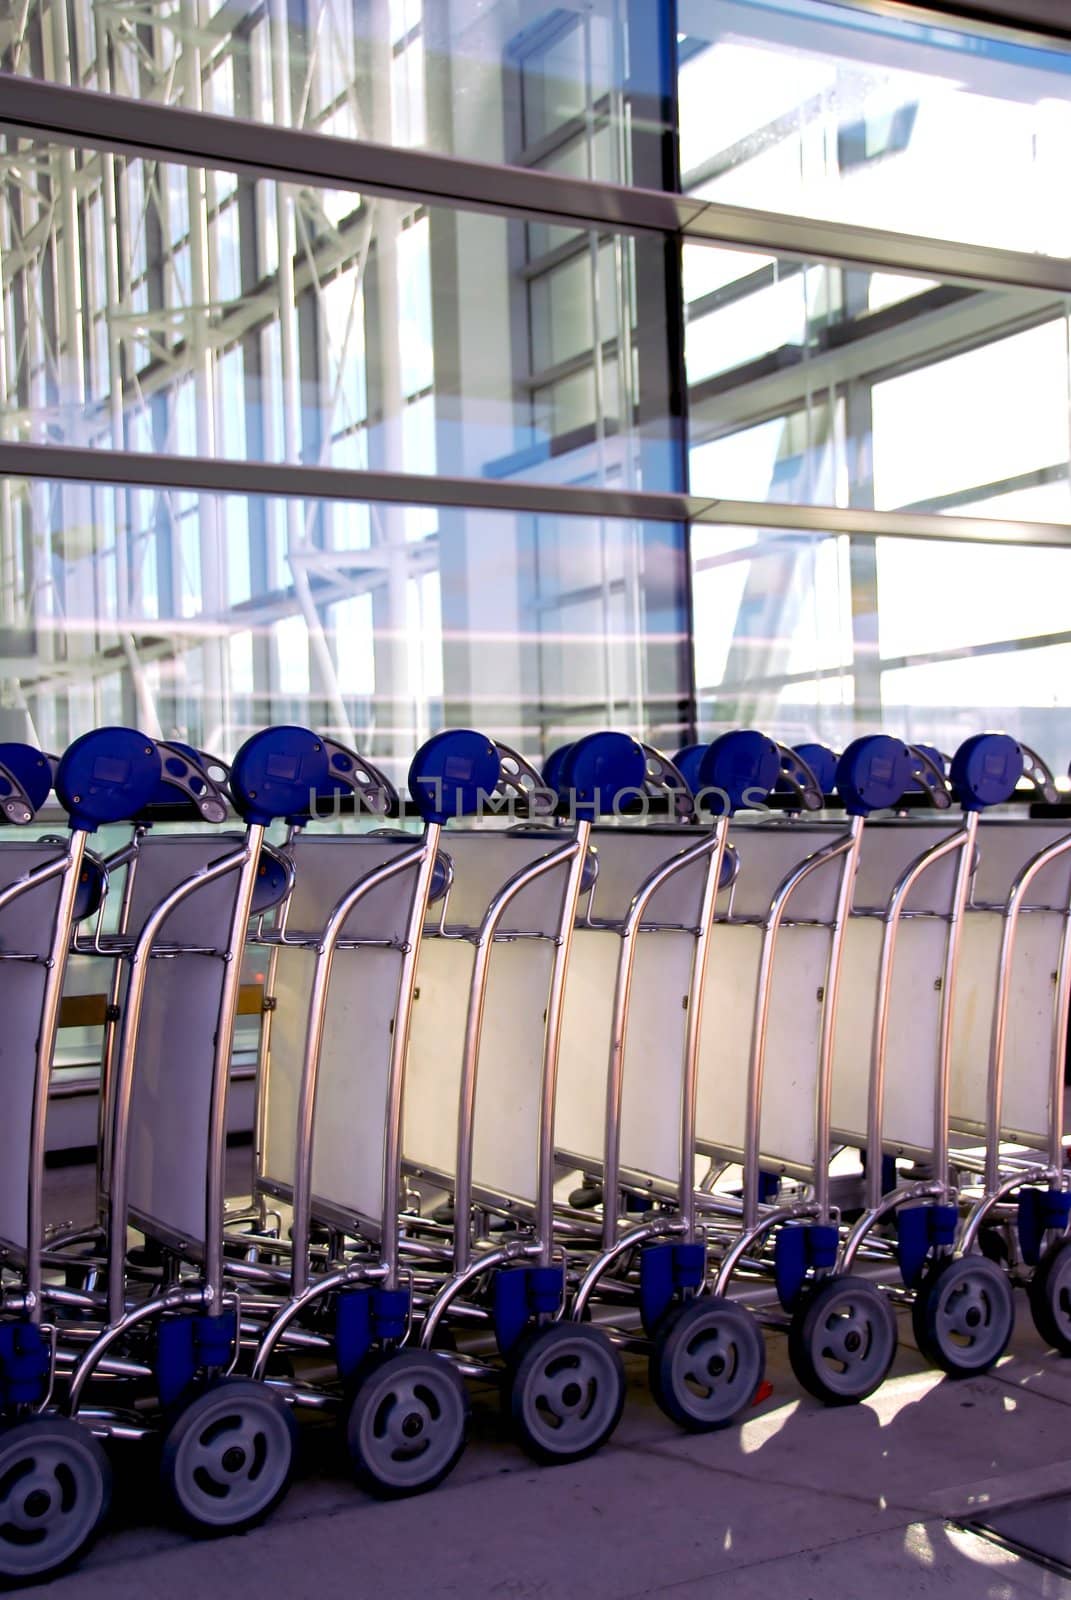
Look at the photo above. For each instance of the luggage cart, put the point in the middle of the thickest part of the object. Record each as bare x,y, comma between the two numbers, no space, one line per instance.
892,1079
167,1350
637,999
503,954
1008,1057
764,1099
337,1128
54,1477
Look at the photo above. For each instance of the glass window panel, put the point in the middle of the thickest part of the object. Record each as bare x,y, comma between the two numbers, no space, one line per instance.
825,385
531,627
948,596
830,636
1027,691
853,114
519,71
399,302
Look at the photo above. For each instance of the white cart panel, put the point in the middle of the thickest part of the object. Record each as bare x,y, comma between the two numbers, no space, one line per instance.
281,1080
351,1099
172,1090
580,1112
436,1042
654,1056
506,1134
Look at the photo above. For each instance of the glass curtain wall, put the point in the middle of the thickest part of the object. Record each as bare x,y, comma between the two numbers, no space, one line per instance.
736,387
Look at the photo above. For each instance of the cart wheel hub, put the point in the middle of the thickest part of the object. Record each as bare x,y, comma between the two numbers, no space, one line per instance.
973,1317
716,1366
233,1458
572,1394
413,1426
38,1503
853,1343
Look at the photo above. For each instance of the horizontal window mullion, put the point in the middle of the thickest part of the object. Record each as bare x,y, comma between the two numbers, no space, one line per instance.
83,117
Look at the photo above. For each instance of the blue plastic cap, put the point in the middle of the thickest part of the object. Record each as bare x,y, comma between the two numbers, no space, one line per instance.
30,769
688,761
738,771
986,769
92,882
552,767
599,771
272,884
109,775
278,773
452,772
822,762
873,773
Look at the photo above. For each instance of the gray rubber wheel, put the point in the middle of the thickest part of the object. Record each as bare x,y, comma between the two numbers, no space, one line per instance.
55,1489
1050,1296
963,1315
565,1391
842,1340
227,1457
708,1359
407,1422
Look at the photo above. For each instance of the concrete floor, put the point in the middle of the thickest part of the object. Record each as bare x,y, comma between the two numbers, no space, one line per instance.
815,1504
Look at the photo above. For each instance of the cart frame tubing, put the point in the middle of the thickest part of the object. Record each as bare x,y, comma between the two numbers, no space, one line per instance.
68,867
129,857
998,1038
996,1185
243,860
964,873
846,850
877,1204
259,1200
712,845
301,1199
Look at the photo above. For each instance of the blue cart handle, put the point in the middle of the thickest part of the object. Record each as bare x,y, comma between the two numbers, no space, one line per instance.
519,779
1040,774
351,773
25,782
600,772
453,774
986,770
799,777
279,773
667,781
929,776
738,772
109,775
180,771
874,773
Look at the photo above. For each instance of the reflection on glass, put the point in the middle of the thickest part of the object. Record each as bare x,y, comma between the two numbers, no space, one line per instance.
850,114
203,617
301,325
821,385
505,81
